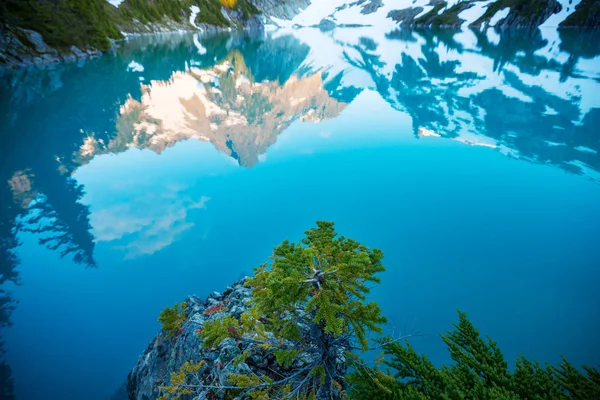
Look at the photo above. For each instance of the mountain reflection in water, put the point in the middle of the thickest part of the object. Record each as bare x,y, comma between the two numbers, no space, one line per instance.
530,95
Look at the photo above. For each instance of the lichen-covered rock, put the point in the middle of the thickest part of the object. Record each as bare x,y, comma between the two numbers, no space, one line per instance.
164,356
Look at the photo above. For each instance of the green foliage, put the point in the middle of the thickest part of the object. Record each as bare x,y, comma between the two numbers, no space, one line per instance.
147,11
479,372
214,332
211,14
246,8
63,23
285,357
311,297
85,23
309,308
178,388
172,319
325,277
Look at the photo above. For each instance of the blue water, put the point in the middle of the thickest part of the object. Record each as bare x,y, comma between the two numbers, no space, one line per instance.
473,165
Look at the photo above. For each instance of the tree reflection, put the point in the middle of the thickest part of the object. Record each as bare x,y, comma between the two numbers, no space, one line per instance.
60,219
9,262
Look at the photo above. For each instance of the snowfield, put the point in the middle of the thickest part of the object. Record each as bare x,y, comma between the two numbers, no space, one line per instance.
194,10
343,12
115,3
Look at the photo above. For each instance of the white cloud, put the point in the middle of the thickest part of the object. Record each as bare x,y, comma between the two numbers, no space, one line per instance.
146,224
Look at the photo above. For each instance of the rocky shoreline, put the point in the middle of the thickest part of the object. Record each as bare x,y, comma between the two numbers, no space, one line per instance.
36,53
21,47
40,55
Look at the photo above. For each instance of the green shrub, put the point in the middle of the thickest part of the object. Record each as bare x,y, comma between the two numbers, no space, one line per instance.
172,319
84,23
64,23
211,14
479,371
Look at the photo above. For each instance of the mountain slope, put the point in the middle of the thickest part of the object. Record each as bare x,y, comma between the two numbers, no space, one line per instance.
44,31
449,13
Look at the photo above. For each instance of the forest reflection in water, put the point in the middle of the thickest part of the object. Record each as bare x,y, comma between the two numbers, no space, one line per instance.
531,95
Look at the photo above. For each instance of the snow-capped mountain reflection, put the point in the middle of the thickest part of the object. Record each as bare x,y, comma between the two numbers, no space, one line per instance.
532,95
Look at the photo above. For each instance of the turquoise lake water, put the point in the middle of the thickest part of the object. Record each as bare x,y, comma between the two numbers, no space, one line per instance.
174,166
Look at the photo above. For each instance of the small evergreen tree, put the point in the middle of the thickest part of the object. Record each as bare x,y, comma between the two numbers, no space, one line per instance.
308,312
479,372
309,309
172,319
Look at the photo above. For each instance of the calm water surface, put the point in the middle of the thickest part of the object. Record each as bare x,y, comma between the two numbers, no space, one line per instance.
174,167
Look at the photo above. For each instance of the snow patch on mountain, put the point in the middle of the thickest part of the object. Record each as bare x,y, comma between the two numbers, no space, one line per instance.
472,14
313,14
568,7
344,12
354,16
377,12
115,3
194,10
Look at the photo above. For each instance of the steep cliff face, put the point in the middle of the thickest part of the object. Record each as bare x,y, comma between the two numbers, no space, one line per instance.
286,9
164,356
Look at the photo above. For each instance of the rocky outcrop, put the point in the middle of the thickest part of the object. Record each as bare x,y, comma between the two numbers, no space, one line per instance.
164,356
24,47
285,9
